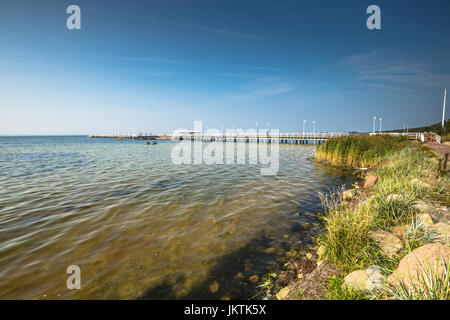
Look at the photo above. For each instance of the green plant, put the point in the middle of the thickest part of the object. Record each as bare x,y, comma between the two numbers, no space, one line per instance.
337,290
346,239
417,235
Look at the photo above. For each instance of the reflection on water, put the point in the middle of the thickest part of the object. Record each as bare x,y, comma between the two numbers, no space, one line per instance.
139,226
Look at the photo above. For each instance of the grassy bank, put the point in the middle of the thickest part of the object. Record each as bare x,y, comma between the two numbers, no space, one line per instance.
407,173
360,151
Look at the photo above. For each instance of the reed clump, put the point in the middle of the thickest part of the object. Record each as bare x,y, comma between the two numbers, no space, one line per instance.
360,151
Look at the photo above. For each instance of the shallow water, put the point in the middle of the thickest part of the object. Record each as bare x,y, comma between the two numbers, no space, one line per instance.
140,226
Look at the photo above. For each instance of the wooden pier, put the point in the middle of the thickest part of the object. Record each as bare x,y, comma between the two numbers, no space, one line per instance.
289,138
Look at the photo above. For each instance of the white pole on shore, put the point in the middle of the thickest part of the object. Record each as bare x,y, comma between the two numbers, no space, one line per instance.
443,109
381,120
374,119
304,122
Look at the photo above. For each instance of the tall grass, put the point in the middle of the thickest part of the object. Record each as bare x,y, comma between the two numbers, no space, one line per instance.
346,237
360,151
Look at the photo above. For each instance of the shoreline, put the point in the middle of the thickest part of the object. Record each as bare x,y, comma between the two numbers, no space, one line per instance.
336,271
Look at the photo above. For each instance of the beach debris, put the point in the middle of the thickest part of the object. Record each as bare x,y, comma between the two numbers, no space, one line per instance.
388,242
415,268
370,182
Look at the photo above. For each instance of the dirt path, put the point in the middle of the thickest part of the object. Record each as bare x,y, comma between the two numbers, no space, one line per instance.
440,148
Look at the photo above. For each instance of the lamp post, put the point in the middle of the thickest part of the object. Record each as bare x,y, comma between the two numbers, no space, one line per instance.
374,119
267,126
256,131
443,109
381,120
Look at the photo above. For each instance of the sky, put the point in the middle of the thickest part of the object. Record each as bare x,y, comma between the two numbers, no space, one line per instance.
156,66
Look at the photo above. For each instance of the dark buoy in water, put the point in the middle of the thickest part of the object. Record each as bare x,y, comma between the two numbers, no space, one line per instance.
150,142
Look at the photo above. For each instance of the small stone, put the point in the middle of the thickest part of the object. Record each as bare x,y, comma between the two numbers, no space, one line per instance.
254,278
370,182
285,236
283,294
305,225
214,287
299,275
426,219
309,256
270,250
349,194
388,243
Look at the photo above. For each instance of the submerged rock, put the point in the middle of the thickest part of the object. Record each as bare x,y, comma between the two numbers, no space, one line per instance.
214,287
388,242
421,264
254,278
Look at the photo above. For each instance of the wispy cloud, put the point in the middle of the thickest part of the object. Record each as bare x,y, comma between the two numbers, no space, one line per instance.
389,69
140,59
215,30
253,91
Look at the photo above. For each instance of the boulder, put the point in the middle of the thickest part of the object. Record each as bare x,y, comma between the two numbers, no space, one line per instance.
370,182
415,268
349,194
442,232
283,294
388,243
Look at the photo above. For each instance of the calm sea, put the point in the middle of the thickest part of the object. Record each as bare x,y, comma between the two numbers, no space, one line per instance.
139,226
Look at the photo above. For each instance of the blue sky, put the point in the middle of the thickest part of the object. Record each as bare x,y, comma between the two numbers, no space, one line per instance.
155,66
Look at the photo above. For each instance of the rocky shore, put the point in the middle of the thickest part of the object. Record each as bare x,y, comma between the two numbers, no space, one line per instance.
406,240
